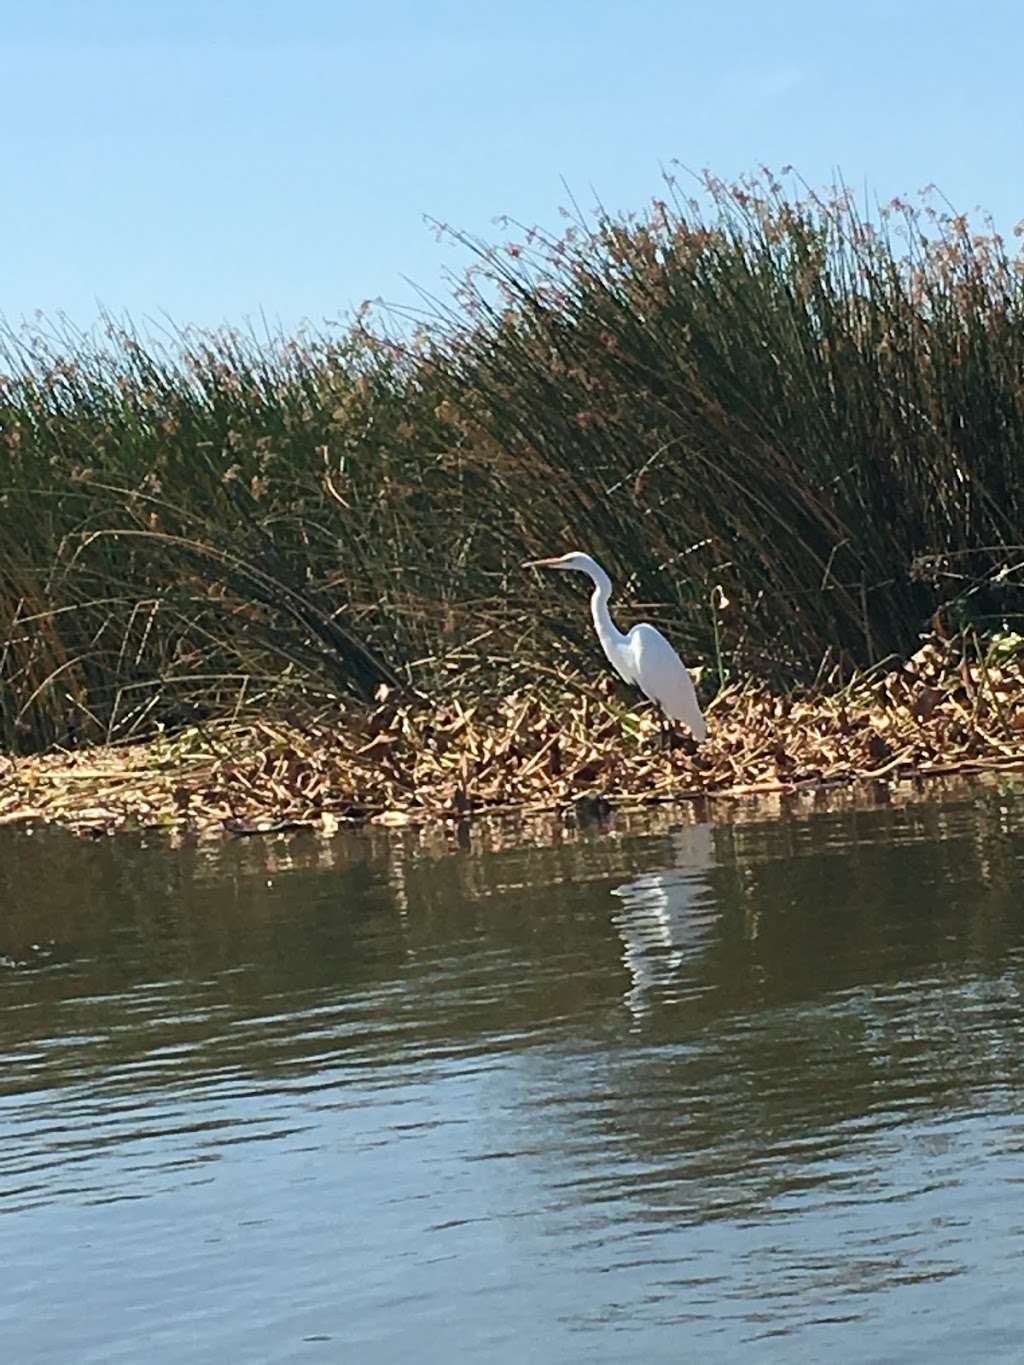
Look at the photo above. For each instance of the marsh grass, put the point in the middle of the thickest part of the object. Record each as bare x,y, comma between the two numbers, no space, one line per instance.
793,435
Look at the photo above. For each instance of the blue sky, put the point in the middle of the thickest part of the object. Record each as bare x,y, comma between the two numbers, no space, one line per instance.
212,158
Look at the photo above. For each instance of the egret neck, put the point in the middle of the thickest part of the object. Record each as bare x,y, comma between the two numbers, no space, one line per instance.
607,632
613,642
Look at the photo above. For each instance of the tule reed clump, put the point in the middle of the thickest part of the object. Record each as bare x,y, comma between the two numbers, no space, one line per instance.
794,437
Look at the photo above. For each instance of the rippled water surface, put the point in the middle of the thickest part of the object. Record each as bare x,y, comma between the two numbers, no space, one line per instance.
641,1092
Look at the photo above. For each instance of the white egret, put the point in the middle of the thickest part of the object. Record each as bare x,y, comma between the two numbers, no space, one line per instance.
643,658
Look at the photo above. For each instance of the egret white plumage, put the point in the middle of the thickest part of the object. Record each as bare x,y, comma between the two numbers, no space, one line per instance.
643,657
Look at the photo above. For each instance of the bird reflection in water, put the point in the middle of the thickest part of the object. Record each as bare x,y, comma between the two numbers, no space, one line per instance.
665,920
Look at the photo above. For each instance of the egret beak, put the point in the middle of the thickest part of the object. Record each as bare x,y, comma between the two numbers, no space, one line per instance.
543,563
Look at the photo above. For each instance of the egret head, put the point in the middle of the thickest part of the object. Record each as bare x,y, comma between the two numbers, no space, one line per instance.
574,560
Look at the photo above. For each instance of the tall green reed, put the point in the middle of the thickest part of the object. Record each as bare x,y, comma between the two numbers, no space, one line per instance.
788,431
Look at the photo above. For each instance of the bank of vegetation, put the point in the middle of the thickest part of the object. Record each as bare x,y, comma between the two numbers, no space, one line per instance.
792,431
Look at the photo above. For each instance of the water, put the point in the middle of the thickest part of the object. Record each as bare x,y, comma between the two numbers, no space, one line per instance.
654,1091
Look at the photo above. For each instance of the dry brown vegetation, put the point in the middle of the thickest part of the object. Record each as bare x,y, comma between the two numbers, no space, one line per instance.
396,763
